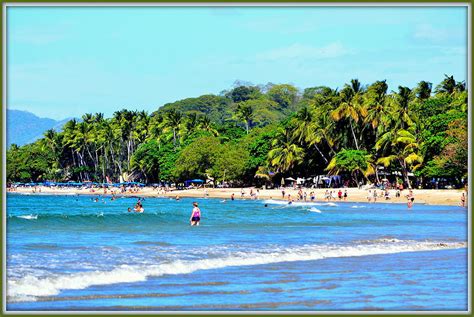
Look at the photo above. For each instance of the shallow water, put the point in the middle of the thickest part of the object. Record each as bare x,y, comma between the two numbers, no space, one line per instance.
70,253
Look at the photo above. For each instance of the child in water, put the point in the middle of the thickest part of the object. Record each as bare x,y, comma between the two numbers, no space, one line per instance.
195,215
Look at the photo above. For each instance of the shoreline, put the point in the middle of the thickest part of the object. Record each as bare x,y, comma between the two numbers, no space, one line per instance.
450,197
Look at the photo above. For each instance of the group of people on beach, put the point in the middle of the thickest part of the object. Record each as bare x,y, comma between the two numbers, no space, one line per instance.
303,195
253,194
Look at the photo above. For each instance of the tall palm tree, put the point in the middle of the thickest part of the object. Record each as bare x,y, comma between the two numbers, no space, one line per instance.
402,101
350,107
377,106
174,120
307,130
192,122
285,154
402,146
156,128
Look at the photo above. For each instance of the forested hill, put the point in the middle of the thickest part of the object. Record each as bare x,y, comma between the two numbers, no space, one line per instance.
255,134
267,104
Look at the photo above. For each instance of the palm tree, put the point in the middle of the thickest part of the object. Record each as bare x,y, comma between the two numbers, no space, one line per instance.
51,140
245,113
156,128
285,154
69,131
350,107
402,102
174,120
403,147
306,129
376,103
377,106
423,90
205,124
447,86
191,122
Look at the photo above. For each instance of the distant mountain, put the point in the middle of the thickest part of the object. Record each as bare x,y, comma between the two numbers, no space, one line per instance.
23,127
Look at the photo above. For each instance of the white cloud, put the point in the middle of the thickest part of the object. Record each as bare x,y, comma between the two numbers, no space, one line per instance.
429,32
301,51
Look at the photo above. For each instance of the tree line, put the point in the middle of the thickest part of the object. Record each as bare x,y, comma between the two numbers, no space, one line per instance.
254,134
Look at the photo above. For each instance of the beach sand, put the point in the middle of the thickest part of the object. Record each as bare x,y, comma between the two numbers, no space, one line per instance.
424,196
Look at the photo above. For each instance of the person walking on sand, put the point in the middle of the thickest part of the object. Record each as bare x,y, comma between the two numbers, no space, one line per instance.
345,194
339,194
369,196
463,200
283,193
232,197
242,193
375,195
195,215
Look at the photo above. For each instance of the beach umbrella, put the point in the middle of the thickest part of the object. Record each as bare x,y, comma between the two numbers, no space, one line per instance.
197,181
290,179
283,181
325,178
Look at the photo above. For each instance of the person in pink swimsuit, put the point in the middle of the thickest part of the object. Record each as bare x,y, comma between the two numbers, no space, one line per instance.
195,215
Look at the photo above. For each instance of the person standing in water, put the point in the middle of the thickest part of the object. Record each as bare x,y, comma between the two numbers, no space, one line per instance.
410,199
195,215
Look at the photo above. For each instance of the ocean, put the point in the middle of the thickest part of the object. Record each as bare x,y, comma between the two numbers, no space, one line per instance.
67,252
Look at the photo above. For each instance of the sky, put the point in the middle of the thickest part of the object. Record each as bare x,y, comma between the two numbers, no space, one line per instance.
63,62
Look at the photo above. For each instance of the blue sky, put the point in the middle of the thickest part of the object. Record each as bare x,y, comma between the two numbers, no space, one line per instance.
66,61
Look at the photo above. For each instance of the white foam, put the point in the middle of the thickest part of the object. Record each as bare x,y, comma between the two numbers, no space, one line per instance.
357,206
293,204
314,209
29,217
31,286
298,203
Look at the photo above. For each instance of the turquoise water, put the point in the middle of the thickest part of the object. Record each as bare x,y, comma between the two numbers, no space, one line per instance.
70,253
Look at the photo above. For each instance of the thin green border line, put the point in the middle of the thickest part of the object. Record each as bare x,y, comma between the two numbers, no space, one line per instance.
244,3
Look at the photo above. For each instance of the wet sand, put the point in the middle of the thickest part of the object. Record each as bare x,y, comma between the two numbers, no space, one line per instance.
450,197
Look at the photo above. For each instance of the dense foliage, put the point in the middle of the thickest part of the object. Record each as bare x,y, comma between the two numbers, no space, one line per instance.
250,133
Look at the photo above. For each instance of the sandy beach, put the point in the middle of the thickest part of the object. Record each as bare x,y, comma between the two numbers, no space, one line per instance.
450,197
